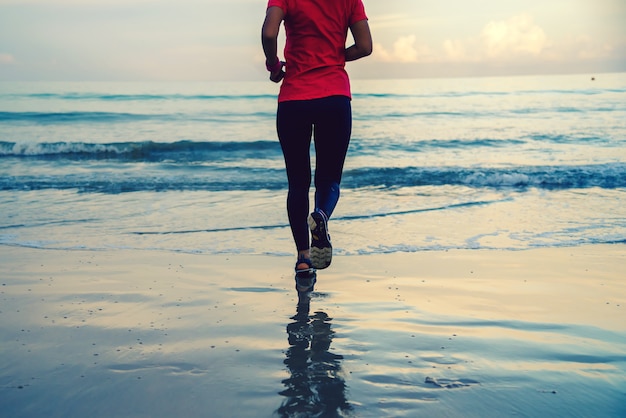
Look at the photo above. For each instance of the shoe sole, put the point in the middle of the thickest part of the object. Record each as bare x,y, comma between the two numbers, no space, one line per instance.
321,249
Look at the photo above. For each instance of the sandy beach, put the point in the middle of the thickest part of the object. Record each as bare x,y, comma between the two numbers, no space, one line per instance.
445,334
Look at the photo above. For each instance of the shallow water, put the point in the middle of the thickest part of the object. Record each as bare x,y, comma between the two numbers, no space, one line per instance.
142,334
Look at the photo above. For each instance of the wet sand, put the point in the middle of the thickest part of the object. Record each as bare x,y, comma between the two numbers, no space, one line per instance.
441,334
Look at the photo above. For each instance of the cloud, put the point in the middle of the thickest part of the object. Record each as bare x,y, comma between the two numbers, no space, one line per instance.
455,50
405,49
6,59
510,39
516,36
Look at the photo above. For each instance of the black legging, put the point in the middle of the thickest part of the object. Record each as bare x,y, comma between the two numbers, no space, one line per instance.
329,120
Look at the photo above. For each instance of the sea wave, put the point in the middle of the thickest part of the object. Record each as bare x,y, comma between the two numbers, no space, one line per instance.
180,151
220,177
487,93
104,97
609,176
186,150
70,117
357,94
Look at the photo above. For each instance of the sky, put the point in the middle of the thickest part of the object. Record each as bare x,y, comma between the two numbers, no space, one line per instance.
213,40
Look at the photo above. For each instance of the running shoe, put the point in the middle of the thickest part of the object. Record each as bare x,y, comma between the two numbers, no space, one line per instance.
321,249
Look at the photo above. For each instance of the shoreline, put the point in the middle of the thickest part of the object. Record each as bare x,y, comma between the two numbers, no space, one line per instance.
455,333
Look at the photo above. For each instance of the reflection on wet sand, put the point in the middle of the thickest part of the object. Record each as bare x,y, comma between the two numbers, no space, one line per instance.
315,386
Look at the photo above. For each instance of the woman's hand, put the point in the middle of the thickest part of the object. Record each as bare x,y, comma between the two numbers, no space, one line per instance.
277,76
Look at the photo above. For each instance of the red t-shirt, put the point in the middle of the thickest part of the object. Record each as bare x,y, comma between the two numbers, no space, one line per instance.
316,33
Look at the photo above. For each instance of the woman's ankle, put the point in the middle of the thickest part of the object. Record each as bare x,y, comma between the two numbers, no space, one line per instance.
303,259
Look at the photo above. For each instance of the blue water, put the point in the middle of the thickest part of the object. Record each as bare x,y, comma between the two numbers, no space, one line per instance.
481,163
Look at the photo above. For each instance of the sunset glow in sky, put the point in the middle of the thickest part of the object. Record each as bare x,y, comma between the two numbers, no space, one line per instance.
75,40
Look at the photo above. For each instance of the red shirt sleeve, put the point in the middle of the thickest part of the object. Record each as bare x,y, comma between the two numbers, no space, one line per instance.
278,3
358,12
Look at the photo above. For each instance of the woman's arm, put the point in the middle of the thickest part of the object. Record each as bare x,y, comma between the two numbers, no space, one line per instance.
362,41
269,38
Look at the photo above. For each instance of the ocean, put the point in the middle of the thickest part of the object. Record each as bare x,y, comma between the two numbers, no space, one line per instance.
147,265
509,163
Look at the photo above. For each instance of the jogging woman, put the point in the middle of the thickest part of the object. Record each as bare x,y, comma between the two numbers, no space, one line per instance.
314,101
